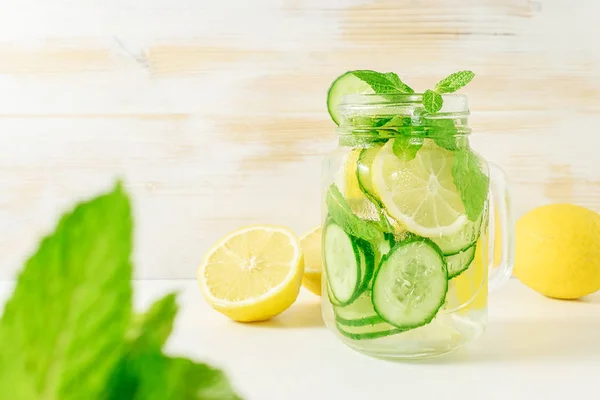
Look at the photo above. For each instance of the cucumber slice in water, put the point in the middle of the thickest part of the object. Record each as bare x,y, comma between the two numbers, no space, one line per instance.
382,248
343,85
460,262
363,172
371,331
359,313
342,260
411,284
367,264
461,241
332,298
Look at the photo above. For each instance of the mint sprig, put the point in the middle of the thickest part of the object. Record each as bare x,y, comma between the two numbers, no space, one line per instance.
433,100
68,332
388,82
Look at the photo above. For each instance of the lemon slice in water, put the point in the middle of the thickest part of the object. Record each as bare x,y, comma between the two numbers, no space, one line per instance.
419,193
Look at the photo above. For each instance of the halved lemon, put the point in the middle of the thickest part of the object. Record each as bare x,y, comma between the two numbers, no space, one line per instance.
252,274
310,243
420,193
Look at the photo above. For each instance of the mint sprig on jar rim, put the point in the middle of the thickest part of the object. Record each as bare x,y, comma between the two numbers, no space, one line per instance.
367,81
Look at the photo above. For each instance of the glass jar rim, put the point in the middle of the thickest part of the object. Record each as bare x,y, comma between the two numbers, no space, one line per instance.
452,102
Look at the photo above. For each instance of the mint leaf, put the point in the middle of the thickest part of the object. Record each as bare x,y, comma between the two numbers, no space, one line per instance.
397,82
443,131
147,335
161,378
454,82
63,329
432,101
471,181
367,120
154,376
446,142
383,223
183,379
341,213
383,82
152,329
145,373
406,147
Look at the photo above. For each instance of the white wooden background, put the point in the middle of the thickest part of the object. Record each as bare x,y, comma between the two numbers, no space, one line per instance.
214,111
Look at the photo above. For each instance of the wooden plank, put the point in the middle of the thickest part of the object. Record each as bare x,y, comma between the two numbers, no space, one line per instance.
214,112
188,188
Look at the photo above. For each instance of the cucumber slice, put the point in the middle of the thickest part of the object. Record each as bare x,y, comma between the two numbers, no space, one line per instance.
411,284
461,241
384,247
371,331
332,298
363,172
359,313
343,85
367,264
459,263
381,250
342,260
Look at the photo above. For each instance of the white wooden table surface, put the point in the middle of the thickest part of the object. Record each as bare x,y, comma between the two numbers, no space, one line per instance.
214,111
534,348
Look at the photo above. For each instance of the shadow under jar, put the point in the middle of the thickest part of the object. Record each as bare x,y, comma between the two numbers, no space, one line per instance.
409,217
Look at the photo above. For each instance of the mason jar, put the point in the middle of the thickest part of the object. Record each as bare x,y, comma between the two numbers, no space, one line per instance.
412,217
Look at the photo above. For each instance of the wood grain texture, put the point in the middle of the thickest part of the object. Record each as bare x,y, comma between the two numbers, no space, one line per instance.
214,112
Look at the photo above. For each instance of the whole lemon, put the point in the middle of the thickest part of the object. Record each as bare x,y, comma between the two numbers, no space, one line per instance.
558,251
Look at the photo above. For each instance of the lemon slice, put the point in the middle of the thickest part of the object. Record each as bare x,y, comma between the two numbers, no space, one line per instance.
419,193
352,190
313,263
252,274
351,187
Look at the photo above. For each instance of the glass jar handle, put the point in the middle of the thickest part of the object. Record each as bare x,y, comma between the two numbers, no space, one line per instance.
501,224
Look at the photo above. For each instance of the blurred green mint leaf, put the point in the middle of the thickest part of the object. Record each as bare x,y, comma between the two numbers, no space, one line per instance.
152,329
67,331
182,379
63,329
145,373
